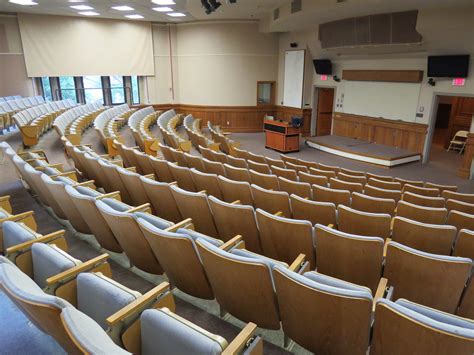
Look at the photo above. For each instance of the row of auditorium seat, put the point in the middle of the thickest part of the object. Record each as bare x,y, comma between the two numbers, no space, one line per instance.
219,136
220,266
196,136
73,122
35,121
168,122
109,122
8,98
140,123
9,107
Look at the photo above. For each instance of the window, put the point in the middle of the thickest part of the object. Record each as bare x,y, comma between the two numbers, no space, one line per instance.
93,89
265,92
67,88
117,90
135,90
47,93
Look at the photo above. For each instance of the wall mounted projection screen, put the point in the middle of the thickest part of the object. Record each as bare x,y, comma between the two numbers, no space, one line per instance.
293,80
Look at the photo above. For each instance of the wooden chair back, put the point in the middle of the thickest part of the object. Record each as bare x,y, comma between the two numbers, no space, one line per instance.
336,169
432,280
182,175
349,257
194,161
271,201
430,238
460,206
464,244
206,182
134,186
460,220
328,173
267,181
379,177
313,179
256,158
358,179
162,200
371,204
237,162
313,211
382,193
422,214
302,189
236,219
410,182
424,201
236,190
337,184
441,188
213,167
161,169
297,167
431,192
143,162
363,223
352,172
275,162
450,195
284,238
387,185
236,174
289,174
258,167
326,194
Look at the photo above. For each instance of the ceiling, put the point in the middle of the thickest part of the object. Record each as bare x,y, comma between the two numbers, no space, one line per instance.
242,10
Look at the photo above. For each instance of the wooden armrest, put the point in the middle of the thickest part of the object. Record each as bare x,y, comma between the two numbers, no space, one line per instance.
230,243
89,183
138,305
17,217
331,226
141,208
173,183
59,166
105,156
43,239
183,224
385,246
66,174
242,340
278,214
5,198
34,159
202,192
299,261
109,195
67,275
132,169
381,288
236,202
37,151
150,176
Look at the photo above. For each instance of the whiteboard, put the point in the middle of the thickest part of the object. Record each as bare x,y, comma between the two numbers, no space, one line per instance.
293,79
397,101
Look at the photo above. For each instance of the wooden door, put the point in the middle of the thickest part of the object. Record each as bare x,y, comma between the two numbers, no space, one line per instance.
324,113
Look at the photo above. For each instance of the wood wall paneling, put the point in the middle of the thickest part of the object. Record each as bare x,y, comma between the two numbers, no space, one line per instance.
461,117
405,135
399,76
465,170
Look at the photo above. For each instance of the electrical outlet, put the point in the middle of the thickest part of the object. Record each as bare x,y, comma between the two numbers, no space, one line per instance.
228,122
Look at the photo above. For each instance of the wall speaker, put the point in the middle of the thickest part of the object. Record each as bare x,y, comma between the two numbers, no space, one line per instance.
293,45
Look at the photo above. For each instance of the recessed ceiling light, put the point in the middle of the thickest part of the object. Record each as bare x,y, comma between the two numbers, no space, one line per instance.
163,9
82,7
176,14
163,2
24,2
135,16
123,8
89,13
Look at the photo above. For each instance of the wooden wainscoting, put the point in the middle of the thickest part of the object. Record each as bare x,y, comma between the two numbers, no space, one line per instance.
239,118
406,135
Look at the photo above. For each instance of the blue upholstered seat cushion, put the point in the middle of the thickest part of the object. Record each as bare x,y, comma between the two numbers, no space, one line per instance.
51,171
114,205
99,297
3,213
87,191
66,180
154,220
90,336
49,260
432,318
23,287
166,334
14,233
328,284
430,255
196,235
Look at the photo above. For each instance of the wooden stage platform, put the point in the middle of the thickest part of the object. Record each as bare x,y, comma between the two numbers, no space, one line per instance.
368,152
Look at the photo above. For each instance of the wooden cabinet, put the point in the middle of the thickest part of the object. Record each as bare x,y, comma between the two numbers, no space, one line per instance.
281,137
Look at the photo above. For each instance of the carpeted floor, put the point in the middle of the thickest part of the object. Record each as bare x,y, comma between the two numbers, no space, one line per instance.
441,169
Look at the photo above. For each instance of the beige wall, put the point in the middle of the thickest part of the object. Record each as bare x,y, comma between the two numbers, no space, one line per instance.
14,80
213,63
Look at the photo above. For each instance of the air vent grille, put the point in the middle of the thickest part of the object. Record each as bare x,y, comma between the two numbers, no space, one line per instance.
276,14
295,6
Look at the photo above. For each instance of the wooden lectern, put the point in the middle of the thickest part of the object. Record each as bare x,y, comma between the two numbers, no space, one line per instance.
281,136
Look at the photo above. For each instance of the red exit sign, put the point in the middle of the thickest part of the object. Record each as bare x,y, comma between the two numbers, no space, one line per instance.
324,77
459,81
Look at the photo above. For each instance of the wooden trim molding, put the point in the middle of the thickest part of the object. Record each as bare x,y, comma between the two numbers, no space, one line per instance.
398,76
406,135
239,118
465,170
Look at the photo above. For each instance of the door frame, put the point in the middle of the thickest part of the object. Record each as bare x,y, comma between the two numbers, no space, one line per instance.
432,120
315,101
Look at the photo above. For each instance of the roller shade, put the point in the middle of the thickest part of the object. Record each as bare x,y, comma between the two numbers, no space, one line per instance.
74,46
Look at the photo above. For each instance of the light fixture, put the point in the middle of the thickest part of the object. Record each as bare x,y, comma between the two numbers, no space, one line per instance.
176,14
163,2
123,8
134,16
163,9
89,13
81,7
24,2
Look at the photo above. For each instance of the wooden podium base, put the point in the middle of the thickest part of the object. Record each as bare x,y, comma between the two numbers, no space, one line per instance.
281,137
